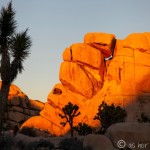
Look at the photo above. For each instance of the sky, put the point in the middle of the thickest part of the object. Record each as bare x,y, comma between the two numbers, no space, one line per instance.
56,24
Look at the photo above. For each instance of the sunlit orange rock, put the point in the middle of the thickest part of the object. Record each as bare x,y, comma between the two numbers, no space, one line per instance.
49,118
86,63
85,55
36,104
62,98
102,41
67,56
71,75
87,79
44,124
140,42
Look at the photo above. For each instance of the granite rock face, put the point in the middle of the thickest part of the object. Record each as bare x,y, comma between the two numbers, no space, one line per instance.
88,77
97,142
135,135
83,69
20,107
101,41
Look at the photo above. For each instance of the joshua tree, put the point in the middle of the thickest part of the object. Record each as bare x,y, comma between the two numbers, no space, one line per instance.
70,111
109,115
14,49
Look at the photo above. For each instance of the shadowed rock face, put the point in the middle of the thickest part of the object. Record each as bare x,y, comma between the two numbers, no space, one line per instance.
20,107
138,133
87,79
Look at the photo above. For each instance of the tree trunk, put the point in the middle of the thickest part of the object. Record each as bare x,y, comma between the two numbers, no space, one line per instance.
71,128
5,76
3,103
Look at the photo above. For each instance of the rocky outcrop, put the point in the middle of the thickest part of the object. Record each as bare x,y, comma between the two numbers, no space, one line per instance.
97,142
49,119
130,135
101,41
88,77
20,107
82,63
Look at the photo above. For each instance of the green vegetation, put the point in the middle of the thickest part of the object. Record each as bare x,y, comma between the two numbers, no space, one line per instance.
14,49
70,111
83,129
109,115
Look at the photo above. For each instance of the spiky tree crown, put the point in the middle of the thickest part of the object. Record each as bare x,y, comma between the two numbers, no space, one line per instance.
15,45
7,24
69,112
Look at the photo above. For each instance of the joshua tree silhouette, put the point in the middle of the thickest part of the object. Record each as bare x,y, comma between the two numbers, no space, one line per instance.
70,111
14,49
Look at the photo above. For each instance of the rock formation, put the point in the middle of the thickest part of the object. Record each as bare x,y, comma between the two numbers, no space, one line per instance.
97,142
20,107
88,77
135,135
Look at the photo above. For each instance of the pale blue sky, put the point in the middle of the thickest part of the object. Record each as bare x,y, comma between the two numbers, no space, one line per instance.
56,24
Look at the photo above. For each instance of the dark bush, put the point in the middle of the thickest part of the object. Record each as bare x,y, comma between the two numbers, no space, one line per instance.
109,115
144,118
83,129
28,131
71,144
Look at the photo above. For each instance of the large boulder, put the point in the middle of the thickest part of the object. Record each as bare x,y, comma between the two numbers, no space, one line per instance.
97,142
41,123
83,69
36,105
72,80
84,54
130,135
141,42
102,41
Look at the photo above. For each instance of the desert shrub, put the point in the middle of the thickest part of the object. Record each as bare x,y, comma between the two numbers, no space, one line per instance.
28,131
71,144
83,129
6,142
144,118
110,114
